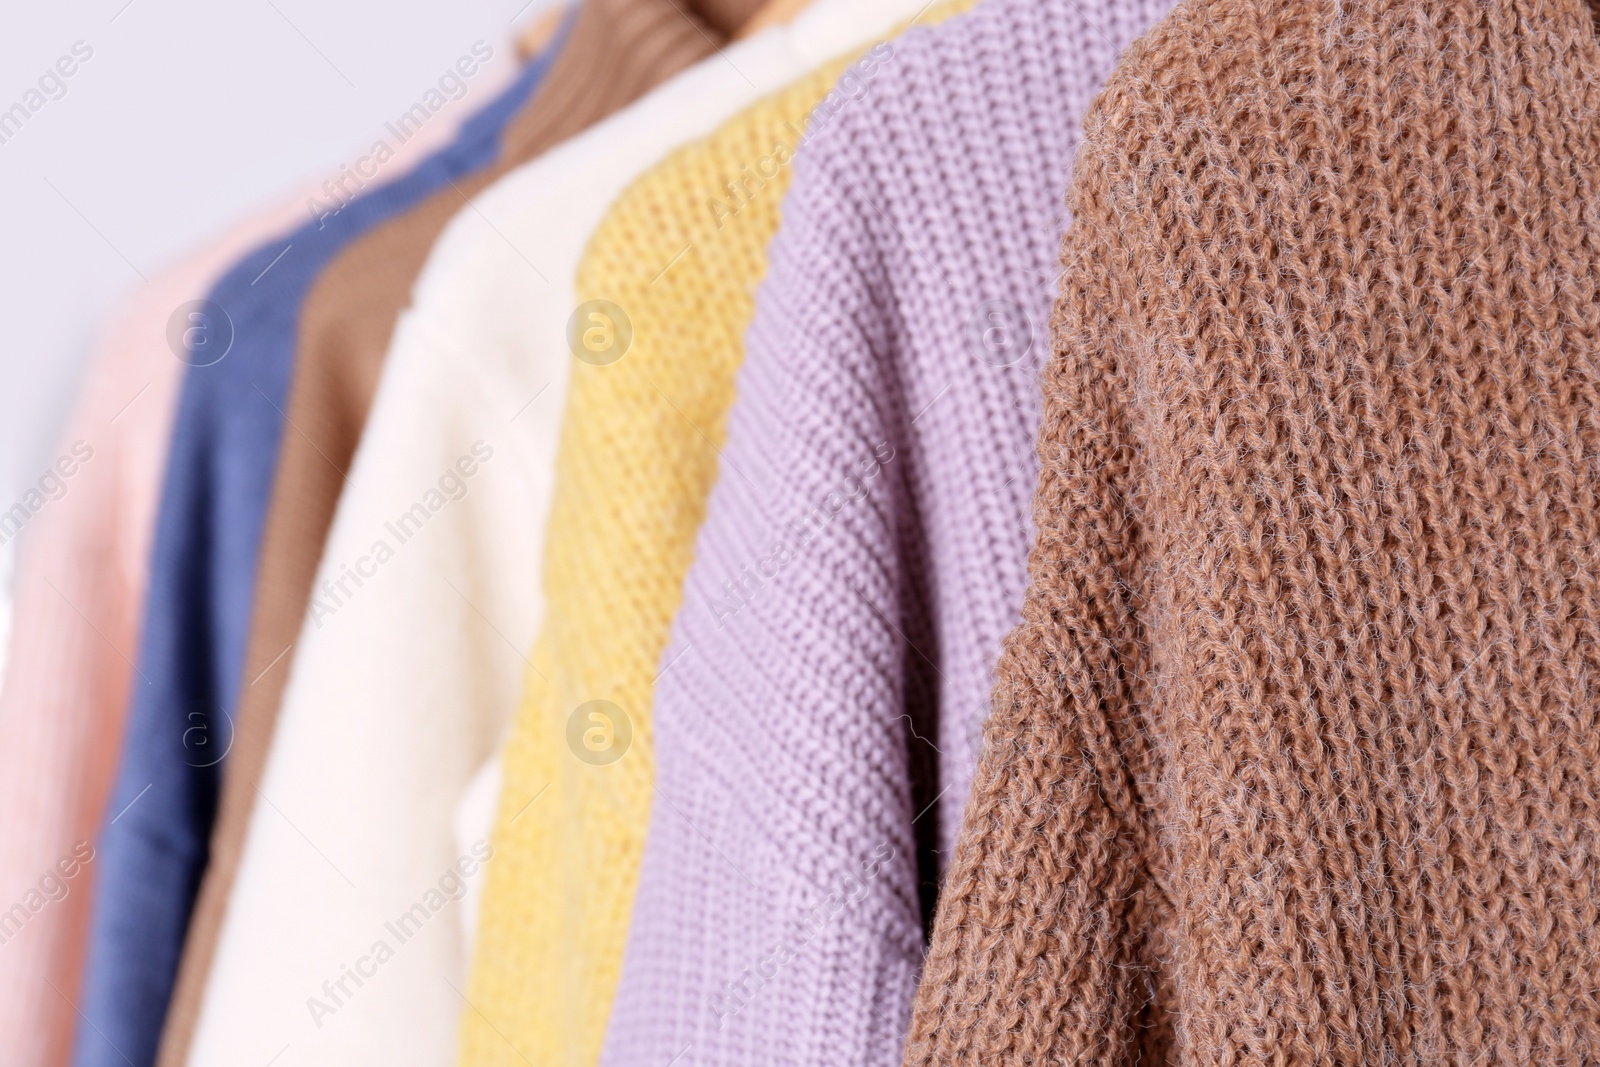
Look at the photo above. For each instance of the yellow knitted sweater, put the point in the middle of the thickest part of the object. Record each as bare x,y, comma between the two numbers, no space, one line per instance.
675,262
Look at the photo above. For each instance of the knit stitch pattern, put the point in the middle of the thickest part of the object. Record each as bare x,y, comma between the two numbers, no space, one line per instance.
864,553
226,432
1294,757
637,458
346,328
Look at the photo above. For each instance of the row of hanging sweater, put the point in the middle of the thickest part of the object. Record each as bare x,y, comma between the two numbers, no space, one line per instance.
982,531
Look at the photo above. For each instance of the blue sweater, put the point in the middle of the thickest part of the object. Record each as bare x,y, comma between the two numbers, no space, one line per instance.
230,420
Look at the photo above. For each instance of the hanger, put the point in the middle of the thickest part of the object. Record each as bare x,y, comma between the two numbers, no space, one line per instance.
539,32
542,29
778,12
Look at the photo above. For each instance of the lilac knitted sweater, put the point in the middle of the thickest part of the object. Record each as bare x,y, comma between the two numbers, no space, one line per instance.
864,552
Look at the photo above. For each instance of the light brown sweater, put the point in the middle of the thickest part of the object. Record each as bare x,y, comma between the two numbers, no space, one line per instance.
1295,757
614,52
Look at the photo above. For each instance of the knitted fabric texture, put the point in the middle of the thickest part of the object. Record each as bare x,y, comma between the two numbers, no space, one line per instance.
409,666
680,255
864,553
1294,758
224,446
345,330
81,579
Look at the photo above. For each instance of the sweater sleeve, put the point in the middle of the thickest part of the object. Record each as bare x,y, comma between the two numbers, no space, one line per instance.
777,918
1042,949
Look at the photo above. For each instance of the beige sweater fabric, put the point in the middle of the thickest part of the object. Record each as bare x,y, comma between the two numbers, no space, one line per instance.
1294,758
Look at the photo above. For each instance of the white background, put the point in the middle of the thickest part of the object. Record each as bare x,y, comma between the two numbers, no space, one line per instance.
191,115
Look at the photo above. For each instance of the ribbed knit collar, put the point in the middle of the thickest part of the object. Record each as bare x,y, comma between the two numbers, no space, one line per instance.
614,51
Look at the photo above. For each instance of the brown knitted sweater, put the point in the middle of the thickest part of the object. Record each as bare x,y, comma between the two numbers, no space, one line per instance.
1294,758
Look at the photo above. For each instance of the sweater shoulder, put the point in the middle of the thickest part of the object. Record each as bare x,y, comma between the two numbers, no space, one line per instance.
1195,68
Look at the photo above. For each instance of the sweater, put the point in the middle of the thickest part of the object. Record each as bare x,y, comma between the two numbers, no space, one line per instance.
613,50
405,679
79,586
1293,758
180,726
863,554
666,289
